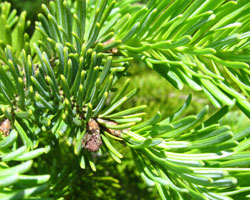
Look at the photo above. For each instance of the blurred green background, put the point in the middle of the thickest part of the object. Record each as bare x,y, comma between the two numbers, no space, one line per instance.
122,181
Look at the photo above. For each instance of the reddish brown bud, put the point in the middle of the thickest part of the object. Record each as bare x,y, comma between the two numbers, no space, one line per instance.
113,50
92,140
93,127
5,127
114,132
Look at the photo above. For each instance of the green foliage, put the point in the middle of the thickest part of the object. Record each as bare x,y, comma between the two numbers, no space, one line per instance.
63,92
162,98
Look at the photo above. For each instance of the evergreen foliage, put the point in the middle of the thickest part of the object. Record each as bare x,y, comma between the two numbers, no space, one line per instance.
60,107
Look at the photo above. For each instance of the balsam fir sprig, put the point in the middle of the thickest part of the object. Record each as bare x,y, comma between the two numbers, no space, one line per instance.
58,88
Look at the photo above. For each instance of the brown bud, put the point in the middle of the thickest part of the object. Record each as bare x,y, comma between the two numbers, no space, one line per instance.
114,132
113,50
108,41
5,127
92,142
93,127
92,139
